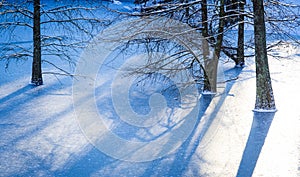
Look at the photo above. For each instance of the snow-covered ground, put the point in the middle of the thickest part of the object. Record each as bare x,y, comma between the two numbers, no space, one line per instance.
40,135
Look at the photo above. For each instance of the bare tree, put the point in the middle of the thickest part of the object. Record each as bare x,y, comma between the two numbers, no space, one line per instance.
59,31
216,19
211,64
36,77
241,35
209,19
264,92
283,20
205,44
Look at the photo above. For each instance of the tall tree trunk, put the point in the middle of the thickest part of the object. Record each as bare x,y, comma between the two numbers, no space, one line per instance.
212,65
37,63
240,62
205,45
264,92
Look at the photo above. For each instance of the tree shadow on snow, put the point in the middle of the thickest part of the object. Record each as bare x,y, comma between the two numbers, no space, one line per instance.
15,93
259,131
96,162
188,148
25,117
183,156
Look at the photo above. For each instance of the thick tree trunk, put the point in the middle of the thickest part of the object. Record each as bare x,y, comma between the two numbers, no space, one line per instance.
37,63
264,92
240,62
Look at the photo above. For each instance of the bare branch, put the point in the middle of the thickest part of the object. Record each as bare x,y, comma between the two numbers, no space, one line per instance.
6,24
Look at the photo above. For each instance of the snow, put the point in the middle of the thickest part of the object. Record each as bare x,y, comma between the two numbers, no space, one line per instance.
40,134
206,92
265,110
117,2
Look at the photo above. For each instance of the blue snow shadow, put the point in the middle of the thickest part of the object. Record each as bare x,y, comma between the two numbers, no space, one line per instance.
175,164
259,131
15,94
184,154
97,163
88,160
25,114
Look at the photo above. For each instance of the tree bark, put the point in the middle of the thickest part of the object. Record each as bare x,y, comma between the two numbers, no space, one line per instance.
37,62
212,64
231,12
205,46
264,92
240,62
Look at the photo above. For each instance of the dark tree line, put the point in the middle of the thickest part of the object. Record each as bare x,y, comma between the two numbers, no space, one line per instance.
63,30
215,17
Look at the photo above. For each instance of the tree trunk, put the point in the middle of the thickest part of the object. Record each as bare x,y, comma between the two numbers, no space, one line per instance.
205,45
231,11
240,62
264,92
212,64
37,63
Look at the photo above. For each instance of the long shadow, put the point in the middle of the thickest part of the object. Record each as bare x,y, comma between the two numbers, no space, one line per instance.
189,147
15,100
16,129
87,165
93,161
16,93
259,131
185,151
182,161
